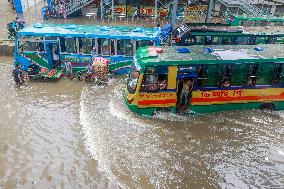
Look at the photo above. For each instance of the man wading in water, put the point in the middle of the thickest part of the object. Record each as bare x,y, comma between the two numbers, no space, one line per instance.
18,78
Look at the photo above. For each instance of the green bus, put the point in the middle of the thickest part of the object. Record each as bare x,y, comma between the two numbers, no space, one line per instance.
244,20
187,35
199,79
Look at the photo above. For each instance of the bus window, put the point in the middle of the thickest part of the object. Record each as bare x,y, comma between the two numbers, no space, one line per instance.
62,44
208,40
124,47
155,79
252,72
105,46
239,73
216,40
265,74
28,46
132,81
86,46
199,40
241,40
260,40
144,43
279,23
226,75
225,40
277,76
251,40
211,75
70,44
270,40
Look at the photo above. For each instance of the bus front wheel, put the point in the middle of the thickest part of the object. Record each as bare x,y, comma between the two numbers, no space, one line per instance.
267,106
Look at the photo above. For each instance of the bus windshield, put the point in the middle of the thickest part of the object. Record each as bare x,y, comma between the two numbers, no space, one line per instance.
132,81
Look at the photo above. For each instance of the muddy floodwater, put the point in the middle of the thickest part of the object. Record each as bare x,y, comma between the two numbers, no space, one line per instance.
68,134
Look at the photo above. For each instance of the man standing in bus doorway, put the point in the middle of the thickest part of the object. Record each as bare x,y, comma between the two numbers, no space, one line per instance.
55,57
185,92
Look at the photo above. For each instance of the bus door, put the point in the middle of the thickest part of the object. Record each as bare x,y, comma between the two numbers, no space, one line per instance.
186,78
50,47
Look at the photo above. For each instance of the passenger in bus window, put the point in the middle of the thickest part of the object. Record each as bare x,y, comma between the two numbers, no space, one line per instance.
162,82
226,83
251,82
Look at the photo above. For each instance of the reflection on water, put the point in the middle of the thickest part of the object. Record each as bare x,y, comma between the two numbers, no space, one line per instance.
69,134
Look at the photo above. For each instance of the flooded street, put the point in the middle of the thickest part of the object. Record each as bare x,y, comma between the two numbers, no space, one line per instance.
68,134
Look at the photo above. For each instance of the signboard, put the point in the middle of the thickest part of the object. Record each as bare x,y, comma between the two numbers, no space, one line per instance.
195,13
119,9
147,11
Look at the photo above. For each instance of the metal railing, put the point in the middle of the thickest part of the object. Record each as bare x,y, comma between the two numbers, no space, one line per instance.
74,5
244,5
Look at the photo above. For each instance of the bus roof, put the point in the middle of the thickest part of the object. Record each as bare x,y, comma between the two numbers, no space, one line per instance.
228,30
90,31
147,56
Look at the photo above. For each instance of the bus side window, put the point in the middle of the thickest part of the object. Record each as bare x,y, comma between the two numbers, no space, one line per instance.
260,40
278,74
225,40
252,73
86,46
211,75
155,79
200,40
239,74
252,40
105,46
208,40
226,75
62,44
70,44
216,40
124,47
241,40
270,40
265,74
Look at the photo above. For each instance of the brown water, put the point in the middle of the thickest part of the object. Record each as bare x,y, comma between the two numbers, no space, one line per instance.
68,134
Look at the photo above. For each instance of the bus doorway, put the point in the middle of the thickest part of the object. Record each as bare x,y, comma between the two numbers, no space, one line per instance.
184,93
52,54
186,78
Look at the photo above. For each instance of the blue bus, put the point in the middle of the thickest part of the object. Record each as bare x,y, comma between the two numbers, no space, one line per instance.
79,44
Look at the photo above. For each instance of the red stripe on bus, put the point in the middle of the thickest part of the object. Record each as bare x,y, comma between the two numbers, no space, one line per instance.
149,102
270,97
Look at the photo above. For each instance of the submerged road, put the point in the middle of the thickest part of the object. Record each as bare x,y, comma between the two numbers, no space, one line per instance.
68,134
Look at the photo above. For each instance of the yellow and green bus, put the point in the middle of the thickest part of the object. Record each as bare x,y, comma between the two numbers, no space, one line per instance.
220,78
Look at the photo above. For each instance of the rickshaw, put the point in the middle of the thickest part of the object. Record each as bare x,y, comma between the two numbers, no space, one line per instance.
101,72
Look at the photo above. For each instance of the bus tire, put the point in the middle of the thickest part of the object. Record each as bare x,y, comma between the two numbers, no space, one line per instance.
267,106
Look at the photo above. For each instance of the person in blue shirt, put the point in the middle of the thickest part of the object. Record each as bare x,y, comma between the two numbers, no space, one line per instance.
19,80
